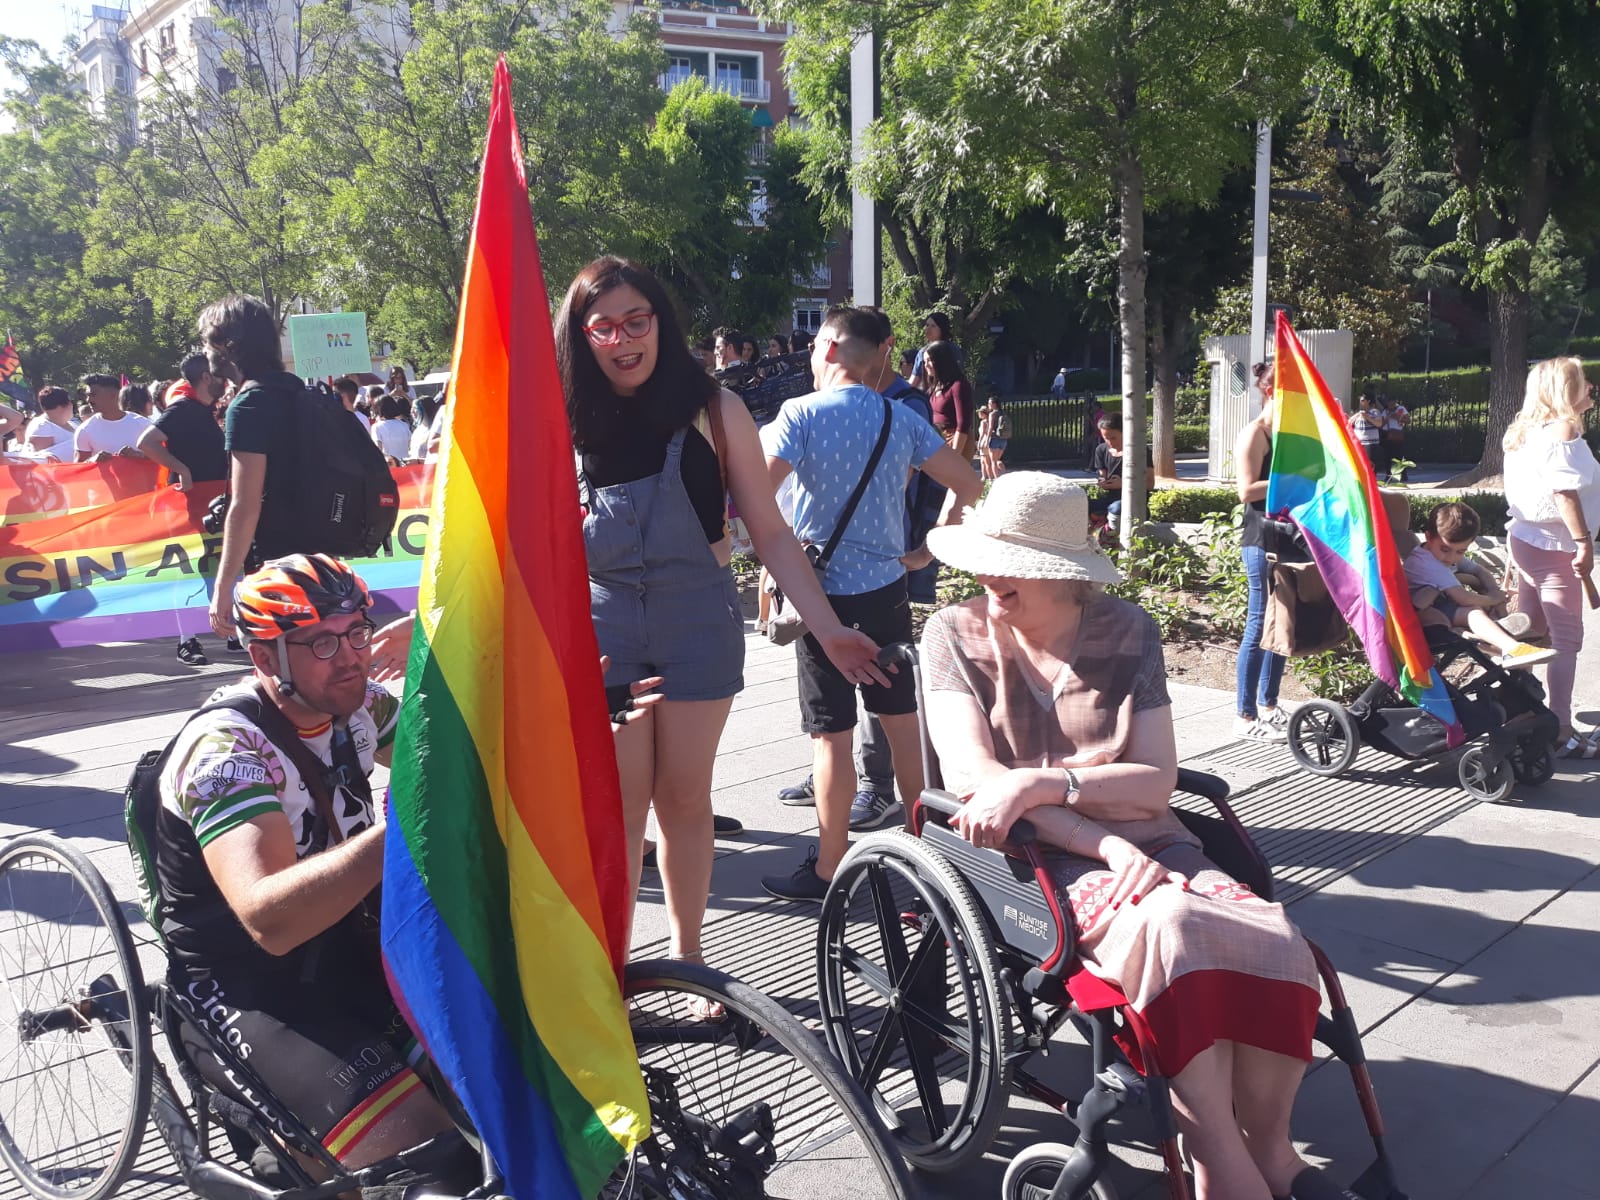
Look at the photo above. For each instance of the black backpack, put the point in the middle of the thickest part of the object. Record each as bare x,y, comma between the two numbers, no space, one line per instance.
344,500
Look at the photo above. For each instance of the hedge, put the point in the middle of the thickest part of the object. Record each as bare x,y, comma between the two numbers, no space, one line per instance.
1193,504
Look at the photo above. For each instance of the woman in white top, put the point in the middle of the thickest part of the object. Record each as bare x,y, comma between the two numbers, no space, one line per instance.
392,435
1553,491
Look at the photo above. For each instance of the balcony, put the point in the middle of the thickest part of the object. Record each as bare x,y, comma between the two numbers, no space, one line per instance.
747,91
759,150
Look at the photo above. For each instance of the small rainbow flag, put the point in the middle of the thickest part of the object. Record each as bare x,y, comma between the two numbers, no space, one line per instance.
1324,481
505,881
13,383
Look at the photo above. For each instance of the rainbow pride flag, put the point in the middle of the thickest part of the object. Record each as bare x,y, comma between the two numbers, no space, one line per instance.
13,383
505,882
1324,482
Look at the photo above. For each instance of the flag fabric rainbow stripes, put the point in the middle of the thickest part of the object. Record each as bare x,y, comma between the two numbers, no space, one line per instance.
1324,481
505,882
13,383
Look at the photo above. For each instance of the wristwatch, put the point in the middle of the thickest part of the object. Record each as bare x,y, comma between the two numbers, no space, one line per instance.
1070,793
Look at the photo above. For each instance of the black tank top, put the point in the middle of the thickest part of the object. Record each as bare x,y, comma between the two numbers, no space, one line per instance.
1252,531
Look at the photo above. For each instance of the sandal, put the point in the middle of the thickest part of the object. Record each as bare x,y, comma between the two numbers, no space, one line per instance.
1580,745
701,1008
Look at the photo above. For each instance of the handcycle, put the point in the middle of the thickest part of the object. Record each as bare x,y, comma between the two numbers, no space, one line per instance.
943,969
743,1108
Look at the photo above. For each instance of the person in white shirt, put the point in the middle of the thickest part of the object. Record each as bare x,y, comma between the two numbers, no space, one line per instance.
391,434
111,430
52,432
348,391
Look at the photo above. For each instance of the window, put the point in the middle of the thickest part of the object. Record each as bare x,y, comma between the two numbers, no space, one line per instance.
95,85
808,314
758,203
144,58
168,39
119,77
226,81
731,74
679,68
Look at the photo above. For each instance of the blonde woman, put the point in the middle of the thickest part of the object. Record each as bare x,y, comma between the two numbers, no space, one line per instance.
1553,491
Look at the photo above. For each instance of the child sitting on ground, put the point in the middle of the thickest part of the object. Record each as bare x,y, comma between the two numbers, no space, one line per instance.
1441,598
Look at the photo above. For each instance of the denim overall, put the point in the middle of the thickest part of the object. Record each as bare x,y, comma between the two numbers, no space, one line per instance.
661,602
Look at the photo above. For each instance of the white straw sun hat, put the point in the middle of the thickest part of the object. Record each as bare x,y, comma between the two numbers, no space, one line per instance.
1031,526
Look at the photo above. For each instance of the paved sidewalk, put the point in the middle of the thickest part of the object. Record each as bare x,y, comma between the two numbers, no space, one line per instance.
1468,935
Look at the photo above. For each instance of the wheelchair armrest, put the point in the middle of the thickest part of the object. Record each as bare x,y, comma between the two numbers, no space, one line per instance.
1022,831
1199,783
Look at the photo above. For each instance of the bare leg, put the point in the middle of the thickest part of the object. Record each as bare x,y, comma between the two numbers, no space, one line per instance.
1264,1085
834,773
1202,1097
636,754
1486,628
905,746
687,733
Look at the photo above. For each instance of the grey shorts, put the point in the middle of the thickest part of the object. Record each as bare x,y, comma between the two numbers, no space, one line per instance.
692,637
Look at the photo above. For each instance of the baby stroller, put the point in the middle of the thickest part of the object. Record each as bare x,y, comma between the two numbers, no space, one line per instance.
1511,734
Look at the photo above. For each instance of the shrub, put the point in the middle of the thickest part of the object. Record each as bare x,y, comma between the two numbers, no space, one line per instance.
1191,439
1340,674
1490,507
1192,504
1193,405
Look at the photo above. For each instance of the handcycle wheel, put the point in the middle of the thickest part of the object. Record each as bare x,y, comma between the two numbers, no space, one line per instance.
912,1001
747,1106
1323,737
75,1054
1032,1175
1483,782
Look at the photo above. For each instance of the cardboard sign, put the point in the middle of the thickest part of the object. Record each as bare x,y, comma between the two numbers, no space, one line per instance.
326,344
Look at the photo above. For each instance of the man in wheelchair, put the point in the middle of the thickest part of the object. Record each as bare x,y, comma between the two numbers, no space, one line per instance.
1048,700
267,859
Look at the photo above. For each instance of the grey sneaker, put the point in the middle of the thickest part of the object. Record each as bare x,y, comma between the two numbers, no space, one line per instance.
802,795
870,809
803,884
1517,624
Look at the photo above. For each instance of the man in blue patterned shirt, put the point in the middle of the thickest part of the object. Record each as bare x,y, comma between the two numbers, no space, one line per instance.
826,439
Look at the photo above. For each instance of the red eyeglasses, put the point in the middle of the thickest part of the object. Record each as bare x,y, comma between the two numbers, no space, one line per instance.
609,333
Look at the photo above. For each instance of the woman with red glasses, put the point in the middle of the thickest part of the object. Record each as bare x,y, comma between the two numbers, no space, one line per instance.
661,446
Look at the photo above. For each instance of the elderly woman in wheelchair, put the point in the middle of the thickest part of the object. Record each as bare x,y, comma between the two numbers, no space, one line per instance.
1046,699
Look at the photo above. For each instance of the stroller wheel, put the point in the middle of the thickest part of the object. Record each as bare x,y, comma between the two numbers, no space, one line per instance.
1032,1175
1483,782
1323,737
1533,761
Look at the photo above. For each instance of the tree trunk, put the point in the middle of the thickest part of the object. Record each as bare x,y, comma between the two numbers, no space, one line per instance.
1131,272
1508,371
1165,343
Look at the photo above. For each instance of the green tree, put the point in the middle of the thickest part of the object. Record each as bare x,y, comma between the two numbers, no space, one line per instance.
1074,104
1509,94
68,320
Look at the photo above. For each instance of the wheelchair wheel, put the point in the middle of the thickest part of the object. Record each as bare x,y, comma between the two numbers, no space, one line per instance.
745,1106
1032,1175
912,1000
1482,782
1323,737
1533,761
75,1084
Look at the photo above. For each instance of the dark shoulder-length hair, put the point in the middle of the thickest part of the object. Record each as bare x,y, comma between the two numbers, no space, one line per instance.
242,330
946,370
675,392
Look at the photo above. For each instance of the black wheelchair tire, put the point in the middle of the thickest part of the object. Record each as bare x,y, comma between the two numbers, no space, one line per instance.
977,1118
130,1039
784,1028
1323,737
1032,1175
1482,783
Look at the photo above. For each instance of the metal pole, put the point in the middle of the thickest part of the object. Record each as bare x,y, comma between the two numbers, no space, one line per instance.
1258,270
866,250
1427,345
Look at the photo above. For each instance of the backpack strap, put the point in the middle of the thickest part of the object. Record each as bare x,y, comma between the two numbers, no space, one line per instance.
708,422
319,778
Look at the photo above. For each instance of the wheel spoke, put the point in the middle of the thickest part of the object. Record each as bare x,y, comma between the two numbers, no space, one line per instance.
884,1043
886,913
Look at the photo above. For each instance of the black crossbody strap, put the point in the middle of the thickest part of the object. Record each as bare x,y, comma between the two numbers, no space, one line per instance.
855,496
313,771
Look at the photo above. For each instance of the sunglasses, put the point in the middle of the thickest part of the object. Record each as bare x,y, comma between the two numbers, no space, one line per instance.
609,333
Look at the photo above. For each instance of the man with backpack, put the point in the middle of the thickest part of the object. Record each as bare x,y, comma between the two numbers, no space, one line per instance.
259,853
303,477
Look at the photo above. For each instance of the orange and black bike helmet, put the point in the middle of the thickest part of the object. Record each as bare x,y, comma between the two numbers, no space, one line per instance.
293,592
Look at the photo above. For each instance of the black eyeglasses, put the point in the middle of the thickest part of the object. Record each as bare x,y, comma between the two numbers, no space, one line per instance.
609,333
326,645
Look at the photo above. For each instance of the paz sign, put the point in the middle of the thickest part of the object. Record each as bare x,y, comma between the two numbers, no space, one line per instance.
329,344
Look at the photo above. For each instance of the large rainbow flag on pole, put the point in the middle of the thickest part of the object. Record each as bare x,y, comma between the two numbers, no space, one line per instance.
1324,481
505,883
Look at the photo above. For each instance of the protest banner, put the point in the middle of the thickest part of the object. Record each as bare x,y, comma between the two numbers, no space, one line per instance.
142,567
326,344
31,491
